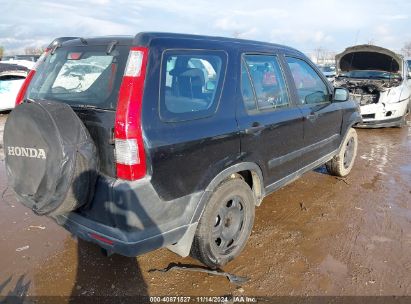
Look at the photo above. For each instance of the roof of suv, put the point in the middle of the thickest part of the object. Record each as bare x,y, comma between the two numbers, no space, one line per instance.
147,37
154,35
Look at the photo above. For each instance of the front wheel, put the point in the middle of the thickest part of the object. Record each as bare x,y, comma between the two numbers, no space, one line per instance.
225,225
343,162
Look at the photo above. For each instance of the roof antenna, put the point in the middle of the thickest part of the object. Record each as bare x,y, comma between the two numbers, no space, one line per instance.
83,41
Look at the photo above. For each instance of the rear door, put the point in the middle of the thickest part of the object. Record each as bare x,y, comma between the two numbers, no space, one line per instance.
271,125
189,116
322,117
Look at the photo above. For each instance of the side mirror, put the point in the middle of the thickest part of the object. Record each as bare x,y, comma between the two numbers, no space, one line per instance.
341,94
409,75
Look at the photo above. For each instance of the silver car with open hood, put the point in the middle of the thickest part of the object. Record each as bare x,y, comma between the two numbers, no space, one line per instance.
379,80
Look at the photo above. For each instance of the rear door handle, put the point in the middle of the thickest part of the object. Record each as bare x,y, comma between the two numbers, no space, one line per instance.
255,128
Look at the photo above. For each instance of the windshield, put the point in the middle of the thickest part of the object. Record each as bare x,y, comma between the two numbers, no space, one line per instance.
371,74
80,76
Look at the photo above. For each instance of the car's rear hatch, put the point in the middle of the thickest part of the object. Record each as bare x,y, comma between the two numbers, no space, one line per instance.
86,74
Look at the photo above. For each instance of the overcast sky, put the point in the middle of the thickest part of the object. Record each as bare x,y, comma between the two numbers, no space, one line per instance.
305,25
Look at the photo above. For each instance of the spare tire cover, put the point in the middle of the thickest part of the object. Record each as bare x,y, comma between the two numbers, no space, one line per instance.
51,160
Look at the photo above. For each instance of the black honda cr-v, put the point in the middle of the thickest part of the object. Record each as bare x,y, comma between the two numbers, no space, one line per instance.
171,140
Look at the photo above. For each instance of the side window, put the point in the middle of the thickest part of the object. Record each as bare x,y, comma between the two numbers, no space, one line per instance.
190,84
310,87
268,82
247,89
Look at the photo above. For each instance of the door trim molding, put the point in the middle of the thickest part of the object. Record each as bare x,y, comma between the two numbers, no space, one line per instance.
293,176
298,153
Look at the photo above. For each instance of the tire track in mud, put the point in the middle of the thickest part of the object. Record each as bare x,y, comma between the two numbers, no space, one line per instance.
378,232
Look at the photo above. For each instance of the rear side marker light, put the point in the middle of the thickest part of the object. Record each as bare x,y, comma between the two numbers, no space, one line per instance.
101,238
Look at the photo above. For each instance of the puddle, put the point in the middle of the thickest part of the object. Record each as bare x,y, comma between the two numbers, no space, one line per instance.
332,267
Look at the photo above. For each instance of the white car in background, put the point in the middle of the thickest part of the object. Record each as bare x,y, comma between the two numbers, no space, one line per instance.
27,61
328,71
379,80
12,77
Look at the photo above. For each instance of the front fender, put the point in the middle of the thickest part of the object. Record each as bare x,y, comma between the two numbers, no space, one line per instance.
351,120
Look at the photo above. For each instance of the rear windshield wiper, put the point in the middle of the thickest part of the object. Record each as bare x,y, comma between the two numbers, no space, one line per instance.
83,106
111,46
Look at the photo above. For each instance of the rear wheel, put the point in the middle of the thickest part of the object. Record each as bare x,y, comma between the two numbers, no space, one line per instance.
343,162
225,225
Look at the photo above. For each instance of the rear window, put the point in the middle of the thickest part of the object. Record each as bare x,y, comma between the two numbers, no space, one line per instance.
191,83
84,75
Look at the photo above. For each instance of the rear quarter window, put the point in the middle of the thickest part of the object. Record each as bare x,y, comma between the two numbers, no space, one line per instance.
190,83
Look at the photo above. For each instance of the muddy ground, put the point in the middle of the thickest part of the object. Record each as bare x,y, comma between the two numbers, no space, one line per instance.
317,236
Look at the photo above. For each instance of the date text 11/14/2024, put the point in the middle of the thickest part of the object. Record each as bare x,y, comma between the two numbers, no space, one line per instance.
205,299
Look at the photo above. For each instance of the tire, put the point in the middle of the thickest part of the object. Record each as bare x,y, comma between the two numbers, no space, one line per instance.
51,159
225,225
343,162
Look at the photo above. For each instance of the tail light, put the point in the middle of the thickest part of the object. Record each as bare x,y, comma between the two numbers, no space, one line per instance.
129,145
25,85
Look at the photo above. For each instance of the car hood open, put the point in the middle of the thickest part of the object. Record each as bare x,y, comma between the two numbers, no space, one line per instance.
368,57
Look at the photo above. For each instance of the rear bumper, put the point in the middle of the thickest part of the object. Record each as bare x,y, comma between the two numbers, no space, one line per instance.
115,240
130,218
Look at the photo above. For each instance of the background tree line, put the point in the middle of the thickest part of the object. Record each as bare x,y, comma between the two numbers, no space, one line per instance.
320,55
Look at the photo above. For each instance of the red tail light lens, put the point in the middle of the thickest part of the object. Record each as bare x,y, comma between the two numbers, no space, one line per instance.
26,83
24,86
129,145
